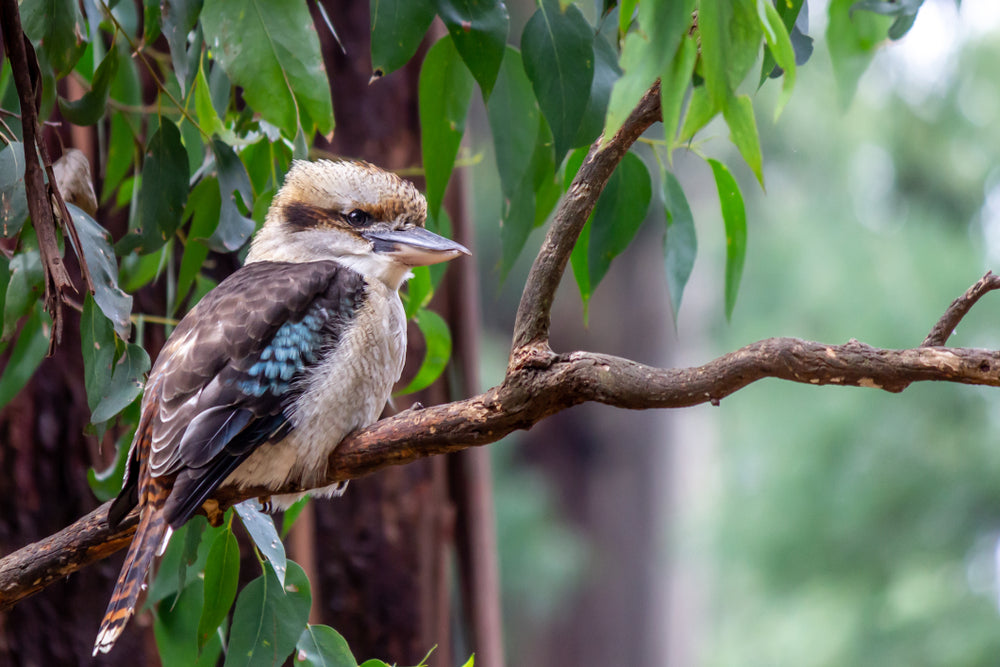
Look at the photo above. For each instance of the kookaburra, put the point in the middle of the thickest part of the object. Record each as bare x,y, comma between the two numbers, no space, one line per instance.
267,374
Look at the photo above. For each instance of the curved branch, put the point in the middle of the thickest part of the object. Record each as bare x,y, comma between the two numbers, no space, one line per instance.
532,324
539,384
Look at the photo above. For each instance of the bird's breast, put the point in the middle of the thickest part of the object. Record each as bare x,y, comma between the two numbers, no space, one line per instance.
346,390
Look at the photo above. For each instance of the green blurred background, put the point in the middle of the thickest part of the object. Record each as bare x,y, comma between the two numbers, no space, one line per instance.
792,525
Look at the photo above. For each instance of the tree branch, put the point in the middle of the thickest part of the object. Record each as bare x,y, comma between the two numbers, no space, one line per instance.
539,384
533,313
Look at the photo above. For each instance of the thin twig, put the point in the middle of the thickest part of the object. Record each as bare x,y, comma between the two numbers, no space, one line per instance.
958,309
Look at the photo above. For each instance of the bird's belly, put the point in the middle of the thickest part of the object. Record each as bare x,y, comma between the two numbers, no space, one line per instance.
345,391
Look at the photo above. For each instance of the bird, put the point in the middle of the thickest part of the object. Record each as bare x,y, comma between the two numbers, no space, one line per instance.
263,378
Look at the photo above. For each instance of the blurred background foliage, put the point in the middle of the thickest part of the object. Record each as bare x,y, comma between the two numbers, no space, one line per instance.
814,526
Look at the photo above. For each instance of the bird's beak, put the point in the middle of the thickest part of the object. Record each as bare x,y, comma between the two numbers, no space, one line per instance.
415,246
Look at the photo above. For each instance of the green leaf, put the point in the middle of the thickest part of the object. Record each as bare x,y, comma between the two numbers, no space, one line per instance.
581,267
57,26
121,154
780,45
177,19
479,30
261,529
789,12
471,661
513,115
322,646
437,340
175,624
291,514
738,112
269,619
674,83
13,200
701,109
108,482
730,42
398,27
208,118
680,243
89,109
558,51
29,350
645,56
618,214
100,257
606,73
445,91
374,663
24,289
97,342
852,38
419,291
163,192
735,219
222,573
172,572
531,201
127,380
270,49
234,229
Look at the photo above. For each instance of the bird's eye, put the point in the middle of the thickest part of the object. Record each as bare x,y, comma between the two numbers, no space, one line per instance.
357,217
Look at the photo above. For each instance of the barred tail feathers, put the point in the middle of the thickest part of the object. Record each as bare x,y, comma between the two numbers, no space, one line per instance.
149,540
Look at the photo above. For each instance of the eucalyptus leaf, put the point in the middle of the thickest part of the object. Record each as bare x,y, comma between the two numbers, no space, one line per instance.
24,289
97,342
445,89
261,529
735,220
779,44
322,646
437,340
558,51
175,624
127,380
26,356
513,116
270,48
222,573
618,214
89,109
397,27
163,192
58,27
269,619
738,112
177,19
479,30
100,257
234,228
680,243
13,200
852,38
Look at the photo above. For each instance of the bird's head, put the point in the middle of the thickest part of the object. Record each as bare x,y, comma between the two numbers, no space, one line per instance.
364,217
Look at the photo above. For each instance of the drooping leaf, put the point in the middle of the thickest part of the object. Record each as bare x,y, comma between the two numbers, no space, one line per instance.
558,52
208,118
419,291
606,73
89,109
270,48
479,30
100,257
291,514
24,288
106,483
680,243
177,20
234,228
261,529
674,83
738,112
735,220
730,43
127,380
13,200
269,619
398,26
513,115
645,55
445,89
162,194
437,339
322,646
222,573
852,38
700,110
524,207
618,214
121,154
57,26
29,350
789,13
175,626
97,342
779,44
